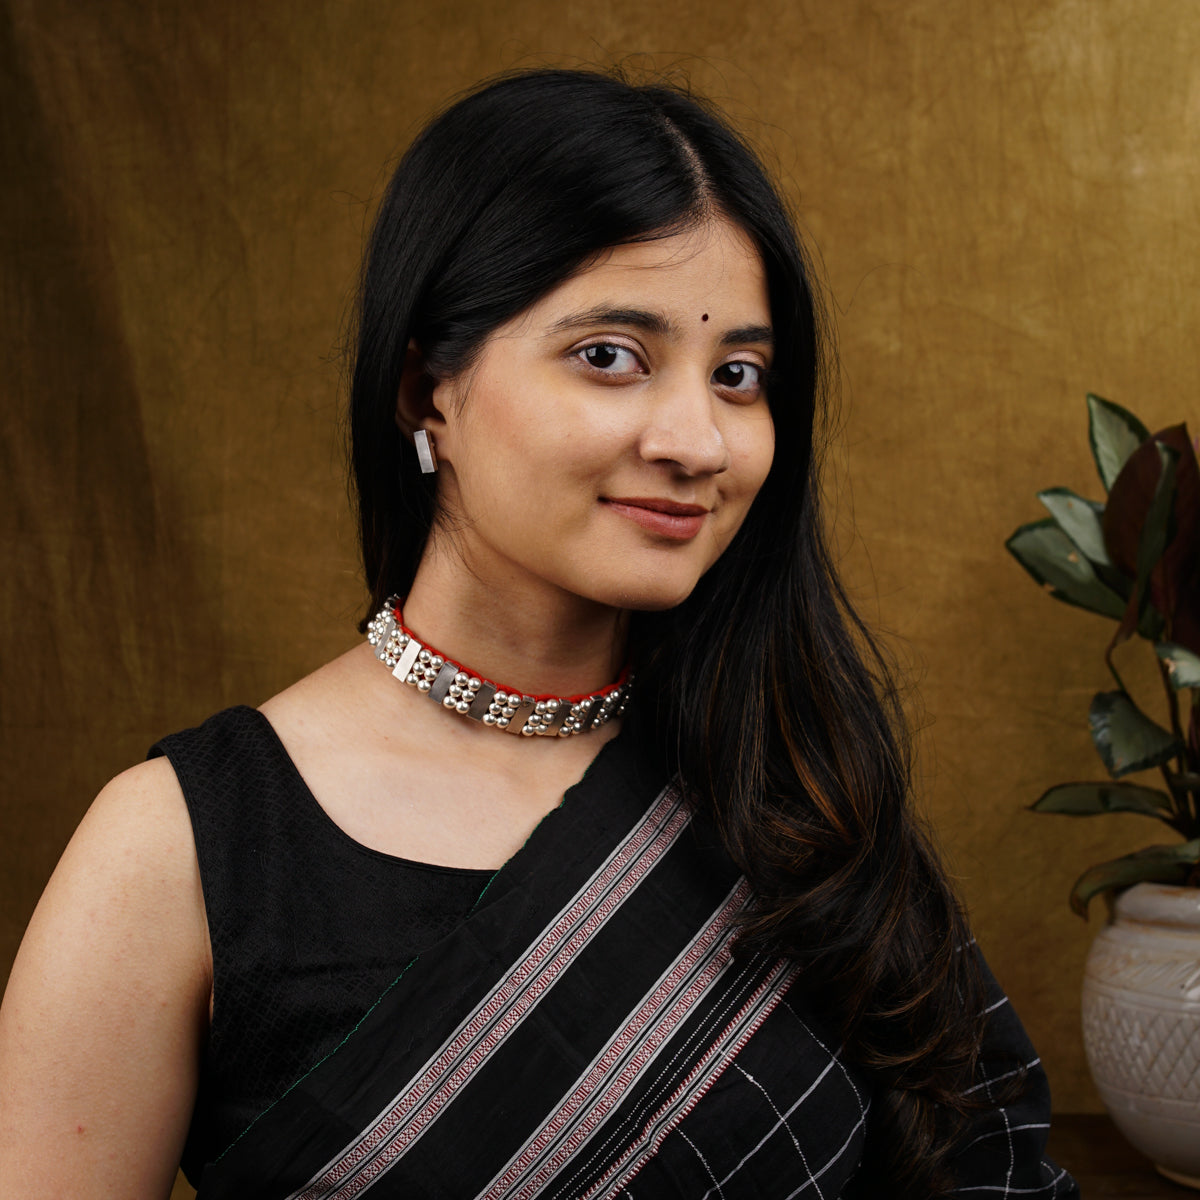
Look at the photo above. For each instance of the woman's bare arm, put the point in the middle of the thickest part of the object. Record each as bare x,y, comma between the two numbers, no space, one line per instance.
104,1015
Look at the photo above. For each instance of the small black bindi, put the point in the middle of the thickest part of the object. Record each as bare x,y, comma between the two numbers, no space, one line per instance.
704,317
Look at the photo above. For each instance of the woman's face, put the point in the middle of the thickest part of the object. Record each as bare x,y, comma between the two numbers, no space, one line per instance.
609,441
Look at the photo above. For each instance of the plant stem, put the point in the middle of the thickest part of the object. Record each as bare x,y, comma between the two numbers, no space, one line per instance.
1192,757
1173,709
1112,667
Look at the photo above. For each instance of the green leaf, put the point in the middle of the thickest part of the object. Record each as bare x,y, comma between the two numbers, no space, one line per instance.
1125,737
1079,519
1157,531
1183,667
1154,864
1091,799
1115,433
1151,528
1059,566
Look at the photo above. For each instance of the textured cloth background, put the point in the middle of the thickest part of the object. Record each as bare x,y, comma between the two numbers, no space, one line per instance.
1004,198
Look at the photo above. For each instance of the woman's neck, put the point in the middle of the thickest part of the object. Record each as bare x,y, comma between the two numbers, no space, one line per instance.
535,637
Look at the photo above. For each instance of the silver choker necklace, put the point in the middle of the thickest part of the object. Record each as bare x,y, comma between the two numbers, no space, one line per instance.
470,695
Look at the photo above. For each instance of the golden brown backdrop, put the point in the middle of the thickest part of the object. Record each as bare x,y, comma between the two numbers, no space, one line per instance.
1004,197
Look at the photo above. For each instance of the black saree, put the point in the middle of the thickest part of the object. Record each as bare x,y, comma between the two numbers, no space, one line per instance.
586,1016
590,1031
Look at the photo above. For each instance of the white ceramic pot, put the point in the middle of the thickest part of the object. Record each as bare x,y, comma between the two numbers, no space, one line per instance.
1141,1024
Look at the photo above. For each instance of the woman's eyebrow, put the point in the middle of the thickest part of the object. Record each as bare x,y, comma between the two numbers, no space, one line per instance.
652,322
603,314
748,333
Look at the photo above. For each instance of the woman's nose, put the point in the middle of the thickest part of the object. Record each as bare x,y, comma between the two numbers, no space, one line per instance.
683,429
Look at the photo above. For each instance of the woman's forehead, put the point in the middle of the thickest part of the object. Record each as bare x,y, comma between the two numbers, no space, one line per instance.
714,268
712,243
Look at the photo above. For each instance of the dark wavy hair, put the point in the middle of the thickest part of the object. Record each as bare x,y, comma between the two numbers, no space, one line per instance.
766,691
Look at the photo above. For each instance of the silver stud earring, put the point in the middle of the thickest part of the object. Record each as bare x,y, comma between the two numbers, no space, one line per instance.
426,455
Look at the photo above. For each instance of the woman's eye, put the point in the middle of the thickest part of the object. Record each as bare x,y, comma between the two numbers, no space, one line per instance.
606,356
740,376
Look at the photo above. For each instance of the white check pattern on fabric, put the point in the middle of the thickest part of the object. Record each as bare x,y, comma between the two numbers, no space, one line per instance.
1022,1139
1004,1158
784,1119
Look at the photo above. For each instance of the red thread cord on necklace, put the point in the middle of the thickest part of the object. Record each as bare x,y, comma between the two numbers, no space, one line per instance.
612,687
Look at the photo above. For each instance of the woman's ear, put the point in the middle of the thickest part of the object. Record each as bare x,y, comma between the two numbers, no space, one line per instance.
415,407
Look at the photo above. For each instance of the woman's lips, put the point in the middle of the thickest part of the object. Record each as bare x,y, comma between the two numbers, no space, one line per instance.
664,517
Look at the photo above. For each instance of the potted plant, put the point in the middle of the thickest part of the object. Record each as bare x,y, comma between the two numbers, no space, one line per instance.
1135,559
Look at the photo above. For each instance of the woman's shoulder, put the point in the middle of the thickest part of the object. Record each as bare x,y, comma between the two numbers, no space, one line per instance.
135,835
243,743
135,844
146,792
113,976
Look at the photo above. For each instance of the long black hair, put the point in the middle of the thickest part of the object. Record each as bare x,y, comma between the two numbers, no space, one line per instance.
764,689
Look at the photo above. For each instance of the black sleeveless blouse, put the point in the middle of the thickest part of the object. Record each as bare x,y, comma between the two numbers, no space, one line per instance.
308,926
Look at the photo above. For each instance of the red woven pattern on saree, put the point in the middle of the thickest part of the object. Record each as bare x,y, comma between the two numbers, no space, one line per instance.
634,1046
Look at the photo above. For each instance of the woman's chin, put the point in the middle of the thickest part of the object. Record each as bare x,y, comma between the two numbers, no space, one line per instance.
654,596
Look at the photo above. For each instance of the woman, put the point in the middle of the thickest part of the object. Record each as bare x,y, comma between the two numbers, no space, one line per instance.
360,940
